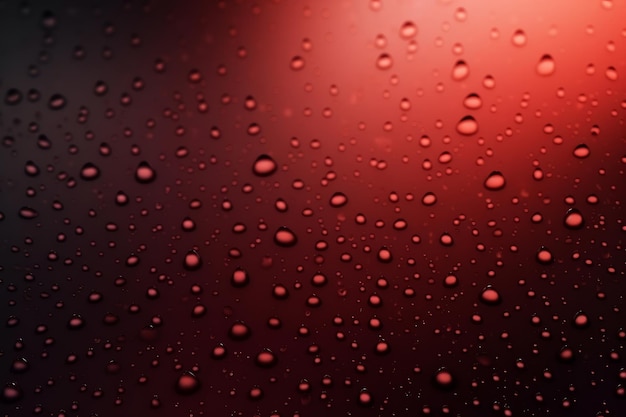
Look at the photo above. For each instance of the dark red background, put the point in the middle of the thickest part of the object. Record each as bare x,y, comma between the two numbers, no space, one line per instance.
199,91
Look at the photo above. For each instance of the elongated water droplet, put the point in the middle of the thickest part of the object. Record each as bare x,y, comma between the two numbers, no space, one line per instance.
408,30
384,61
89,172
264,166
285,237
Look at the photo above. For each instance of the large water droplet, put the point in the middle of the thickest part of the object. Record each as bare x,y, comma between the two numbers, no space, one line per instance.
490,296
460,71
384,61
467,126
192,261
266,358
546,65
285,237
338,200
495,181
573,219
89,172
144,173
408,30
187,383
264,166
519,38
443,379
582,151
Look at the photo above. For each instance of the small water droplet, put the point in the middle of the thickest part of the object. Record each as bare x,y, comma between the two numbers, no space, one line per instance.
240,278
57,102
443,379
297,63
338,200
544,256
266,359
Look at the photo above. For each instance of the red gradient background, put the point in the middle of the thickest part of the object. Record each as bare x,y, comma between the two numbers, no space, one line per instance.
199,91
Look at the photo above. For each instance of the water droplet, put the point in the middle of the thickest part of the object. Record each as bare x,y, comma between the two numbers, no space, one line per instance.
264,166
473,101
467,126
187,383
20,366
239,331
89,172
581,320
239,278
265,359
546,65
57,102
338,200
13,97
11,393
144,173
297,63
490,296
285,237
408,30
76,322
495,181
519,38
192,261
460,70
573,219
544,256
365,398
384,61
582,151
611,73
384,255
443,379
429,199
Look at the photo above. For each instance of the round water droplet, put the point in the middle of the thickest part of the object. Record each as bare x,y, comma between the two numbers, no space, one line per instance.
408,30
467,126
460,70
239,331
13,96
490,296
573,219
76,322
265,359
144,173
582,151
285,237
519,38
365,398
239,278
297,63
495,181
264,166
429,199
546,65
581,320
384,62
11,393
544,256
384,255
187,383
192,261
443,379
89,172
20,366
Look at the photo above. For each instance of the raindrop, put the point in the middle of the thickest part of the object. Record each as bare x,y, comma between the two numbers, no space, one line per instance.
264,166
460,71
28,213
473,101
285,237
467,126
239,278
443,379
546,65
187,383
544,256
582,151
144,173
581,320
297,63
57,102
365,398
495,181
338,200
573,219
519,38
384,61
192,261
13,96
89,172
384,255
429,199
11,393
408,30
239,331
265,358
490,296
